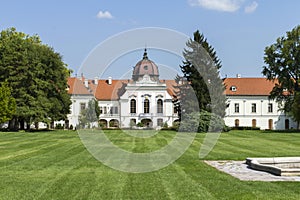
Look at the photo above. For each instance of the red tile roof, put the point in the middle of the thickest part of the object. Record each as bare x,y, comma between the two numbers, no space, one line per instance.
249,86
76,86
113,91
104,91
171,87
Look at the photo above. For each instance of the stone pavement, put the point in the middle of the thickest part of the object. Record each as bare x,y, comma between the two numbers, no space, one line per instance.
240,170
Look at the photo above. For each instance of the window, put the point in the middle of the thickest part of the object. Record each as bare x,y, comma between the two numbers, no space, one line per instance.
237,123
146,106
175,110
132,106
233,88
287,124
253,123
159,106
270,107
101,110
114,110
132,122
270,124
105,110
253,108
236,108
160,122
82,106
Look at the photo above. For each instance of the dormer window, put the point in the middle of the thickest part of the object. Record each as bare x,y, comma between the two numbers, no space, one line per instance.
233,88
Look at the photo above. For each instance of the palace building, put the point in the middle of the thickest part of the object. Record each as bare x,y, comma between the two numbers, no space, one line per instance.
249,105
144,99
147,100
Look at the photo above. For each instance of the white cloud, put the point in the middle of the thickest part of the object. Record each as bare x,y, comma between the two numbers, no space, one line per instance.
104,15
219,5
251,8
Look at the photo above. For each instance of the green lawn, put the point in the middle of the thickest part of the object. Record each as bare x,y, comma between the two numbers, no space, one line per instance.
55,165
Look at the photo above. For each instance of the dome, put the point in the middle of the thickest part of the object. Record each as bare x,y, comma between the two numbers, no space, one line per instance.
143,67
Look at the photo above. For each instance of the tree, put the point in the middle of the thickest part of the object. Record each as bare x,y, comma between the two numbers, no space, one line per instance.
201,72
89,115
37,76
282,61
7,103
295,109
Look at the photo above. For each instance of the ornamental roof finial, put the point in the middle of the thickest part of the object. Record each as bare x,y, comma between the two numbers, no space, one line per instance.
145,56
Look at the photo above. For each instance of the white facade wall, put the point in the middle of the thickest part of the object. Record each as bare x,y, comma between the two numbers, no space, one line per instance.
151,91
75,107
264,118
110,111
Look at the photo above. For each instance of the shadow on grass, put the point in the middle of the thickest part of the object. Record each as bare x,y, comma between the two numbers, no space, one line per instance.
282,131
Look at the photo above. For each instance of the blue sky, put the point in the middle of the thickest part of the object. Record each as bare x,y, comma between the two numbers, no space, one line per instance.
239,30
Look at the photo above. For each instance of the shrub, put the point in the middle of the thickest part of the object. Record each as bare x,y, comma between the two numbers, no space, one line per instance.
245,128
59,126
140,124
202,122
165,125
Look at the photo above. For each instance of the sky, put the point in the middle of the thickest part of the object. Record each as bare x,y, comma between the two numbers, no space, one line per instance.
239,30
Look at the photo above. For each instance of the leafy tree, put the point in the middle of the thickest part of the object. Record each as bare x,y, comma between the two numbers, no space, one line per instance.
295,109
7,103
90,114
282,61
37,76
201,72
82,119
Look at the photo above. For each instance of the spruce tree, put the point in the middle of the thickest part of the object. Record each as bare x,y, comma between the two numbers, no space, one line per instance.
201,71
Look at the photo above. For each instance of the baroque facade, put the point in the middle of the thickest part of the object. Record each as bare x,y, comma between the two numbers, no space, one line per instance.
144,100
147,100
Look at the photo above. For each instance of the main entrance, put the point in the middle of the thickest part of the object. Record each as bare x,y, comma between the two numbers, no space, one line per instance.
147,122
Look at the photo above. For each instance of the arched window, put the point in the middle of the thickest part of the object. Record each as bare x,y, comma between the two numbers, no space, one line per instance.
160,122
270,124
146,106
159,106
237,123
132,106
287,124
253,123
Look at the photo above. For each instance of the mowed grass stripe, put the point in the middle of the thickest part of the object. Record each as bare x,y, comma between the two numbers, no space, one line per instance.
68,180
41,154
258,145
179,185
68,171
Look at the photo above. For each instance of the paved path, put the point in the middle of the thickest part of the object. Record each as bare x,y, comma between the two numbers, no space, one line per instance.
241,171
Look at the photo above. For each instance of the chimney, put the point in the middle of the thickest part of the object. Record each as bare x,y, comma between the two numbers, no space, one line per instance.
109,81
96,80
86,83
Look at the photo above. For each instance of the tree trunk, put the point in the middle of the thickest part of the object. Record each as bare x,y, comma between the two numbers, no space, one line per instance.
36,124
11,124
22,124
67,124
28,126
52,125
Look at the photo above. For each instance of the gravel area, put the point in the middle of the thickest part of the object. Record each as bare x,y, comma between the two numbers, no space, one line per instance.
240,170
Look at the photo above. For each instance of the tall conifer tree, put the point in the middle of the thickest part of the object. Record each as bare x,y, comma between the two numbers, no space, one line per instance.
201,71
